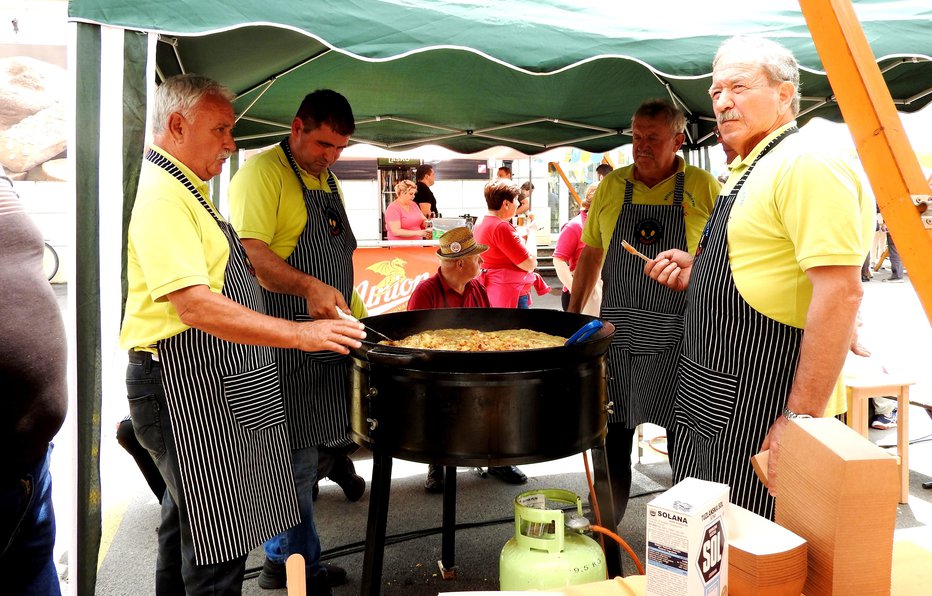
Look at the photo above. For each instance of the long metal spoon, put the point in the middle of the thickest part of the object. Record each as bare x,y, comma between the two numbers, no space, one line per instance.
347,317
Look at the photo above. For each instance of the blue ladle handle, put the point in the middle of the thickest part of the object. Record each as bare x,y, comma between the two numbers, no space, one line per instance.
585,332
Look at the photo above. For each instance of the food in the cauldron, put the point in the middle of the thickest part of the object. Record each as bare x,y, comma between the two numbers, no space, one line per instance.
472,340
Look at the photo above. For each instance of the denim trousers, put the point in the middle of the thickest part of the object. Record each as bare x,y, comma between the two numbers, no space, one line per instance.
27,532
302,538
176,572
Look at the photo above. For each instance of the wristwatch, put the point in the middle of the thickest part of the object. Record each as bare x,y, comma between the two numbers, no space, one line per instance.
790,414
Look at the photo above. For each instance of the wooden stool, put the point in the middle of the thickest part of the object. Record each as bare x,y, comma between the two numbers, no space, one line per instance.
859,390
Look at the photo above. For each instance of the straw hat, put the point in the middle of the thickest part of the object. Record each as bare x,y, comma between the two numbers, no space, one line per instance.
459,243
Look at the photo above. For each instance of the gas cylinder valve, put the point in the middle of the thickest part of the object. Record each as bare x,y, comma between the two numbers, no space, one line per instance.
577,523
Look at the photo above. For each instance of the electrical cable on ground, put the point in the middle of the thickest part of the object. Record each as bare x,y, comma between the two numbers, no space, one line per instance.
360,546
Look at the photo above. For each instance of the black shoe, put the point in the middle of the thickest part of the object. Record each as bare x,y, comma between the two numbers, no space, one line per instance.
344,474
318,584
434,482
272,576
509,474
336,575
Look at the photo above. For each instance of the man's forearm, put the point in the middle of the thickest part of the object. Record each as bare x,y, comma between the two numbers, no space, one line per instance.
273,273
584,277
830,322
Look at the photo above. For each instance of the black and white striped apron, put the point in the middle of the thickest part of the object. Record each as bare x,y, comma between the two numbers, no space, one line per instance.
736,370
648,316
314,384
228,422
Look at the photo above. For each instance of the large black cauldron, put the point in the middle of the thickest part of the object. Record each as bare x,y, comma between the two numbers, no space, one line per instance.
479,408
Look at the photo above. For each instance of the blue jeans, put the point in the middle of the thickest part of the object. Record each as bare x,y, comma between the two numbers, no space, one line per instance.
302,538
524,301
27,532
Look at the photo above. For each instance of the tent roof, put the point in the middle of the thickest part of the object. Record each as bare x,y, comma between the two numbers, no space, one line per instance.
471,74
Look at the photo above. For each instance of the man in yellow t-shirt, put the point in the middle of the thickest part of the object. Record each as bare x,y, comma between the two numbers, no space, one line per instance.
775,284
657,203
201,378
287,206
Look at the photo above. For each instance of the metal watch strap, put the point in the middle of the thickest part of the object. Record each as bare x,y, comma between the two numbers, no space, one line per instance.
790,414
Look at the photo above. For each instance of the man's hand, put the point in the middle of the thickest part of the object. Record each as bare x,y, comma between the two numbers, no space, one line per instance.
772,442
332,335
671,268
321,299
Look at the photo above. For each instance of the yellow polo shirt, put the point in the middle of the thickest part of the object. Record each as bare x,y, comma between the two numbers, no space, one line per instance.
699,192
173,243
800,208
267,203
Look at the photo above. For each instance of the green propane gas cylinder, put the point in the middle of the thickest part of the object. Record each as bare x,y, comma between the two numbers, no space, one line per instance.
545,554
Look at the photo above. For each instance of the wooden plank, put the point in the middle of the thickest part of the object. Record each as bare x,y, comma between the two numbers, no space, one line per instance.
867,107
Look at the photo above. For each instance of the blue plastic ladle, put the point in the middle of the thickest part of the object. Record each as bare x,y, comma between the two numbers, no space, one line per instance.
585,332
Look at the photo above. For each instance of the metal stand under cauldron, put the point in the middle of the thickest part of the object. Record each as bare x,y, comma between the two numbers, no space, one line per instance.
378,518
476,409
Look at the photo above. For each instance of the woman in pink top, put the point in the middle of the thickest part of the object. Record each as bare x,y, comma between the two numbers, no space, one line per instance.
403,218
507,267
570,245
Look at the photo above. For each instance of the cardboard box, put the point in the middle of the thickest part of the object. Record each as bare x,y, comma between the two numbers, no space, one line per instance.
839,491
686,540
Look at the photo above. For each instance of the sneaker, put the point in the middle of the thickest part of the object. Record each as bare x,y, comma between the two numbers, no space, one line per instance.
882,422
894,280
434,483
272,576
509,474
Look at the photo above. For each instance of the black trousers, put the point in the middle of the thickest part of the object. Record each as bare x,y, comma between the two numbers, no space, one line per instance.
175,573
126,437
618,445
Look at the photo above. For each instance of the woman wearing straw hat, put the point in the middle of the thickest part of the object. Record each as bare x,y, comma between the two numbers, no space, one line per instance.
455,286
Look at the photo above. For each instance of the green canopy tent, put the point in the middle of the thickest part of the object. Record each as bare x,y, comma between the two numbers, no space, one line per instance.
463,74
469,75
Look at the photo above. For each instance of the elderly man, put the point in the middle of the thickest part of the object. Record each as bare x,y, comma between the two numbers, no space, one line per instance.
203,390
655,204
287,206
453,286
774,286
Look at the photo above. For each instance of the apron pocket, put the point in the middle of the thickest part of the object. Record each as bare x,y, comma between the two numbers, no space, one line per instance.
644,332
255,398
705,400
145,412
322,356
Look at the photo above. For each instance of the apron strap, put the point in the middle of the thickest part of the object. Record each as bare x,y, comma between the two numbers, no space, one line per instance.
678,190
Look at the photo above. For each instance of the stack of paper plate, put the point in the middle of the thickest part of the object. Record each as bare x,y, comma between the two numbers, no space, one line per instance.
763,558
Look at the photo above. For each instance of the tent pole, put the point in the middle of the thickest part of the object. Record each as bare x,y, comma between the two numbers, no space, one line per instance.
891,165
87,308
